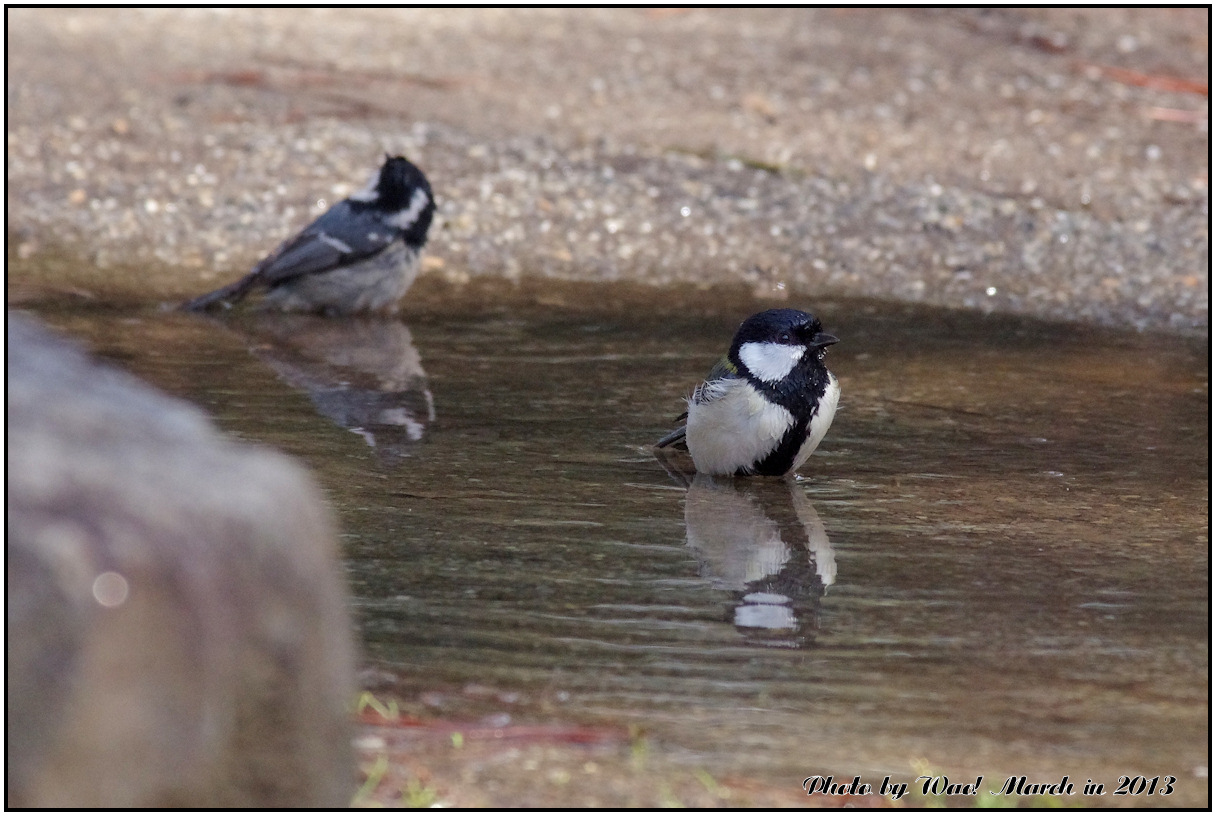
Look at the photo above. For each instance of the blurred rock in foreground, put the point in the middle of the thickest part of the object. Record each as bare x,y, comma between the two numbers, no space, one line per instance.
177,632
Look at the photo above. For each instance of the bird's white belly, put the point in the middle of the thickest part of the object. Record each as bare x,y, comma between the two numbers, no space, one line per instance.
375,284
820,422
736,430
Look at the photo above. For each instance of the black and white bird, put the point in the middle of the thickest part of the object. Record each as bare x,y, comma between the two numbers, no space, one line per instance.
767,404
360,256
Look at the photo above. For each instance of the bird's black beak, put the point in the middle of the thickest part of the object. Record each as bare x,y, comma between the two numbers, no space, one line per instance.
822,339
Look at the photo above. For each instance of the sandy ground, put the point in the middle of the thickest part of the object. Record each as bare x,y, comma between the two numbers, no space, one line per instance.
1045,162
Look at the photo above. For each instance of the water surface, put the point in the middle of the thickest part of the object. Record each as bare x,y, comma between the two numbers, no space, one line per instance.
996,562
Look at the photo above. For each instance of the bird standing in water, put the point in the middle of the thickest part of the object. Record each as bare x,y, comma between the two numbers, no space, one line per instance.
360,256
767,404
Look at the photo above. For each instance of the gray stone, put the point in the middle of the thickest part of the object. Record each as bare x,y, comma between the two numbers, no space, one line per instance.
177,628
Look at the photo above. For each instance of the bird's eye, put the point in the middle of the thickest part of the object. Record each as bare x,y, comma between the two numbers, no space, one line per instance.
785,337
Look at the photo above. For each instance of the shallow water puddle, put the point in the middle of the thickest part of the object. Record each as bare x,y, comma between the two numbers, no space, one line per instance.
996,562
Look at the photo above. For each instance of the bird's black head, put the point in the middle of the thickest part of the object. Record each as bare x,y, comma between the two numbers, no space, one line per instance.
787,327
771,345
403,189
399,177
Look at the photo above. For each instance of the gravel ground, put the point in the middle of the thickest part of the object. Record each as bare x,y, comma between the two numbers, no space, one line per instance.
1045,162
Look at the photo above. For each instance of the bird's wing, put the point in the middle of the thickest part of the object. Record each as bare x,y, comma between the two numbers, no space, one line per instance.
711,389
340,237
715,385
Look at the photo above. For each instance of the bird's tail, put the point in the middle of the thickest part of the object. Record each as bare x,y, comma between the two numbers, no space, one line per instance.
227,295
676,438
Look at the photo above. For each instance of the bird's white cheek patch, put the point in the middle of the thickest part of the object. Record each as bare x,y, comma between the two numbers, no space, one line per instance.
770,362
408,216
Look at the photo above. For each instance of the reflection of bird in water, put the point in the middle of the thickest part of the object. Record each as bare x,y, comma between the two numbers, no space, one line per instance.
764,543
362,373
